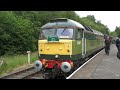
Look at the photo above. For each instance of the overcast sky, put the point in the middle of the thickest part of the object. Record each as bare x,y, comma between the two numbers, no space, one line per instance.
109,18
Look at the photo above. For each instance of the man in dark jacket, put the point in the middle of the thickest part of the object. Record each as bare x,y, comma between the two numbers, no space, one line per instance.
118,43
118,47
107,45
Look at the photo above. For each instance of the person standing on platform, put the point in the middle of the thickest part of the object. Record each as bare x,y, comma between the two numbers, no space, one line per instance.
118,43
107,45
118,47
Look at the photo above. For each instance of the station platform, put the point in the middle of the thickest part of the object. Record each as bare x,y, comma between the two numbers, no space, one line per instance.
101,67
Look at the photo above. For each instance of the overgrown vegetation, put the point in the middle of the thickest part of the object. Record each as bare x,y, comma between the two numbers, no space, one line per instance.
116,33
11,62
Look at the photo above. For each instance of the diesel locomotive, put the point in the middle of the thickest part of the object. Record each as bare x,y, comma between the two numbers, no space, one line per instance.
64,43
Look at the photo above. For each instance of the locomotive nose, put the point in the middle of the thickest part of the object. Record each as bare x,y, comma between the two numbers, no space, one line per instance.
37,65
65,67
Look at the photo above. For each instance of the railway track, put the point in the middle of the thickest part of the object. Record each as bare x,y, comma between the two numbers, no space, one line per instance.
23,74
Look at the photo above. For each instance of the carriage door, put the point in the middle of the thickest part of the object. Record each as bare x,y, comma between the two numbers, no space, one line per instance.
83,44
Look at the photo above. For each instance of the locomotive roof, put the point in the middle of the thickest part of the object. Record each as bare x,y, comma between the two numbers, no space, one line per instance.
62,22
97,32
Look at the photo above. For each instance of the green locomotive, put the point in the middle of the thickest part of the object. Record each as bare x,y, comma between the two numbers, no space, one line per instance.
64,43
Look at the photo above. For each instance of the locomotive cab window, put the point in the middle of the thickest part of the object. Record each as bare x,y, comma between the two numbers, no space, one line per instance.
78,33
46,32
60,32
65,32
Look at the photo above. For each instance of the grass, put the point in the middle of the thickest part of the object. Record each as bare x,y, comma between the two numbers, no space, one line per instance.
12,62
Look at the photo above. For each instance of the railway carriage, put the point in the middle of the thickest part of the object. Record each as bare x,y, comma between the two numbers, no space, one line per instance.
64,43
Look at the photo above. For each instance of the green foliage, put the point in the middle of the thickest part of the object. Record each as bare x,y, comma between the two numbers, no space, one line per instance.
93,23
19,30
117,31
11,62
16,34
113,34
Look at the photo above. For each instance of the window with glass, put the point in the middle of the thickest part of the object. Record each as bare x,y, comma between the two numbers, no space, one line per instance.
60,32
78,35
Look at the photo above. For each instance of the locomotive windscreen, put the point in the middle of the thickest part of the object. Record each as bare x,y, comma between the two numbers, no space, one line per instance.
60,32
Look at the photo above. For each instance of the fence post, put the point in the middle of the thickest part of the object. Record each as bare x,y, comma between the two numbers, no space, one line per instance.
28,57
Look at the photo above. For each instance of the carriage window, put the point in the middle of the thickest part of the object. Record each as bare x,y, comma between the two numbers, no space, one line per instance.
78,36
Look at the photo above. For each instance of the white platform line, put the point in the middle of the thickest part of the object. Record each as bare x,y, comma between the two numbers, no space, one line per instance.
82,65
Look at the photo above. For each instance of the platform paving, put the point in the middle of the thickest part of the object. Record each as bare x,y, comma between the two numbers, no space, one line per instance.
109,67
101,67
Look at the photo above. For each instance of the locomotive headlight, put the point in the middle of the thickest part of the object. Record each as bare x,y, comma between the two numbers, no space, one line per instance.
65,67
47,48
60,48
56,56
37,65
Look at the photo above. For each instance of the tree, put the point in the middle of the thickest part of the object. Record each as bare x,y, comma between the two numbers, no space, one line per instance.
117,30
113,34
16,34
